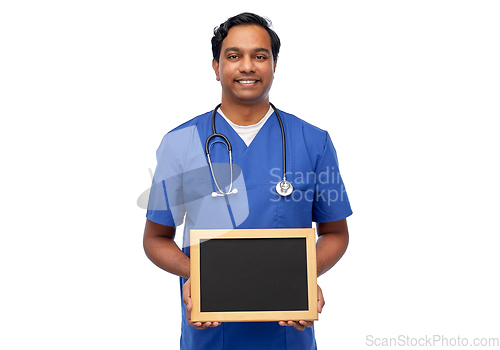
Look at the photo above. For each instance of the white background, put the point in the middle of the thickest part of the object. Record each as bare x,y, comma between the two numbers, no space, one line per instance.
408,90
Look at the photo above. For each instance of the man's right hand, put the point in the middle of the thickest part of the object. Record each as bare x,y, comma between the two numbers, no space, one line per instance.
186,292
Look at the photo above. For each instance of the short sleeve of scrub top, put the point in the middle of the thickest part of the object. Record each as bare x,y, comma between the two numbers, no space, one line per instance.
165,204
331,201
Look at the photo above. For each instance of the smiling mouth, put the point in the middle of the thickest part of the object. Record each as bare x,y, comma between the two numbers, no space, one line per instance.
246,81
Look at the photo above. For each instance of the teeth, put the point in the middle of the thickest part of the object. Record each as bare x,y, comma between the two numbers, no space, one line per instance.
247,81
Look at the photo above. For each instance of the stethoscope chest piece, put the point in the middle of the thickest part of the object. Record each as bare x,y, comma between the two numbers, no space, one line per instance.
284,188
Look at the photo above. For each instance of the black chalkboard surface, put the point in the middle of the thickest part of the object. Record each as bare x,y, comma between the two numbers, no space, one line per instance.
253,275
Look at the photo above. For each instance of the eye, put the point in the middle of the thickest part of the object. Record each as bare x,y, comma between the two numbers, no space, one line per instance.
260,57
232,57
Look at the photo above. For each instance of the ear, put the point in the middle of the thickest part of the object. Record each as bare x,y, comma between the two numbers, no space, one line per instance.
275,63
215,66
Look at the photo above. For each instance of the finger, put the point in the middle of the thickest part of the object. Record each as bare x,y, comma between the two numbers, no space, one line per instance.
206,325
307,324
296,325
199,325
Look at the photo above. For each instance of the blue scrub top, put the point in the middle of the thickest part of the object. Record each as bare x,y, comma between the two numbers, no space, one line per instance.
182,193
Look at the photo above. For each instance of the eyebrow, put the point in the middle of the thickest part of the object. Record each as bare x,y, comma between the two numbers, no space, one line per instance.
237,49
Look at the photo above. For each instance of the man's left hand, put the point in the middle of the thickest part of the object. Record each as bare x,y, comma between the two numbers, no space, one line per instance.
301,325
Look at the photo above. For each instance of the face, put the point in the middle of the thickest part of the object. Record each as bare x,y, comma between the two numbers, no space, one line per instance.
246,65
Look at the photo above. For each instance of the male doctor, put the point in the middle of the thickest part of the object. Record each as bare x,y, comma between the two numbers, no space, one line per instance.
245,53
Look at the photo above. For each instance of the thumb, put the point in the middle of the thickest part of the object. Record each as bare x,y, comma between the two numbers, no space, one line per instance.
186,291
321,300
187,300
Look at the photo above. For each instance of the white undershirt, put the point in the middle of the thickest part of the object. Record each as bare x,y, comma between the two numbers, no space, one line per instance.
248,132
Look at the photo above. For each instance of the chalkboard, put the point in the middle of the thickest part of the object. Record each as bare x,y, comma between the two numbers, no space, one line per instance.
253,275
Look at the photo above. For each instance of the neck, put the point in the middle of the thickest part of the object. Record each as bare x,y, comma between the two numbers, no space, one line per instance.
245,114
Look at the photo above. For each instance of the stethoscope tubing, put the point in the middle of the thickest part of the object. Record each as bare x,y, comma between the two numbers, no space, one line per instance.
283,141
229,148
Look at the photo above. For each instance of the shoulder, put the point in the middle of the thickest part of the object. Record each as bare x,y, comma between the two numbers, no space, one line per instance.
200,119
181,139
187,130
312,135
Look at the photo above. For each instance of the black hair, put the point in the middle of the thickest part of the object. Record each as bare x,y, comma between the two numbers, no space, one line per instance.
245,18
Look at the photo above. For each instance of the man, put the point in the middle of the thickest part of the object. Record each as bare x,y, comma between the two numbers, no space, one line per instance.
188,189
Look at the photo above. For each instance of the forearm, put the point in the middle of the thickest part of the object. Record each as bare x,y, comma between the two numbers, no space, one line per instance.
162,250
165,254
330,247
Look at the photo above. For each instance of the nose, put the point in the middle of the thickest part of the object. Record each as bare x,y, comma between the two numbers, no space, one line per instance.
247,65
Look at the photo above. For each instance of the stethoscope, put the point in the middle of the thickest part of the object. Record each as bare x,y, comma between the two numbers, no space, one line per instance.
284,187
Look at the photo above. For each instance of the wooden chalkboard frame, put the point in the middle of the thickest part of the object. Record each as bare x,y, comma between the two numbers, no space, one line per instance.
198,236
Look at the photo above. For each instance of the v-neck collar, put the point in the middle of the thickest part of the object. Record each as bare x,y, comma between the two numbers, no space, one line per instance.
235,138
248,132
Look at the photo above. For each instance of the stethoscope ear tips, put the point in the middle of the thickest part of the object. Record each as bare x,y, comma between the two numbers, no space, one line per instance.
214,194
235,191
